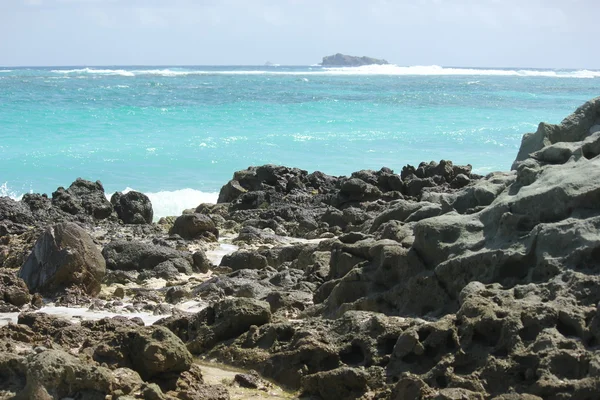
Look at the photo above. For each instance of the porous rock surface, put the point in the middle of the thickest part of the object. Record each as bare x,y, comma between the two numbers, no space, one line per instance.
431,283
474,290
64,256
133,207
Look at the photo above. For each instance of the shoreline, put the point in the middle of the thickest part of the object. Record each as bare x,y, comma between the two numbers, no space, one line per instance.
431,282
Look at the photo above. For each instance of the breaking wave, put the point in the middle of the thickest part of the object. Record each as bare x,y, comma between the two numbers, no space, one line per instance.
392,70
167,203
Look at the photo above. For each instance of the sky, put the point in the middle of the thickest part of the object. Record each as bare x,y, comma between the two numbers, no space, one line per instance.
469,33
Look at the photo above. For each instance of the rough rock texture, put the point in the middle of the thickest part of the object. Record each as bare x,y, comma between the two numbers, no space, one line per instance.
54,374
224,320
83,197
46,357
137,256
133,207
342,60
14,211
244,259
13,290
445,284
151,351
194,226
575,128
434,283
64,256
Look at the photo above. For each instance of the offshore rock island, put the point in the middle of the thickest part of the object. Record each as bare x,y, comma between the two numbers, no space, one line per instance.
342,60
434,283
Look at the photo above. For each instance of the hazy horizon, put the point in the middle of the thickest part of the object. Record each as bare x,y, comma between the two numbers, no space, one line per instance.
504,67
553,34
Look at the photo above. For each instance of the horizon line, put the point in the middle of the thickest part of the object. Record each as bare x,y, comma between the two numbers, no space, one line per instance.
276,65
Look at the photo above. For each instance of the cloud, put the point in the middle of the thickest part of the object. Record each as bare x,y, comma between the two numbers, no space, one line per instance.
446,32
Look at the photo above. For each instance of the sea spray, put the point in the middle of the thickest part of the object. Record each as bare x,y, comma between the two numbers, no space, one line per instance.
170,203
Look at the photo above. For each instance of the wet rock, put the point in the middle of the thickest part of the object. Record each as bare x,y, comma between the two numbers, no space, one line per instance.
133,207
65,256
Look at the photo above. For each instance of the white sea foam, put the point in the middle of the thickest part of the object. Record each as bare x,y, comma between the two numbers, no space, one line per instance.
437,70
121,72
5,191
167,203
78,314
164,203
392,70
6,70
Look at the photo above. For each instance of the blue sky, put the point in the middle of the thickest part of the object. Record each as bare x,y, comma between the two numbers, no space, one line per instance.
478,33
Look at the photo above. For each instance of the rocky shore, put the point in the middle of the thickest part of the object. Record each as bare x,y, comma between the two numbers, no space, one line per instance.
431,283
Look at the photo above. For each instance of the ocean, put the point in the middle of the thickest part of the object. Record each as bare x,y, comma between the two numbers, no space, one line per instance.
179,133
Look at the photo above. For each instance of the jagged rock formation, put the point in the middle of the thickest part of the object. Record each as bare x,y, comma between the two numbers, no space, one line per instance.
434,283
584,122
342,60
504,270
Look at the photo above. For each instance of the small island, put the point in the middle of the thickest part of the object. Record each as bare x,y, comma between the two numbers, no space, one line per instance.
343,60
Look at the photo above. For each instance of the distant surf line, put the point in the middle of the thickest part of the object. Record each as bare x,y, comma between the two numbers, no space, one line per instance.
384,70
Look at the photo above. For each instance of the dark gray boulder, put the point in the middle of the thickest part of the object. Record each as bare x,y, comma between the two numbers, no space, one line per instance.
64,256
155,351
165,270
201,263
355,189
133,207
230,191
244,259
83,197
137,256
14,211
194,226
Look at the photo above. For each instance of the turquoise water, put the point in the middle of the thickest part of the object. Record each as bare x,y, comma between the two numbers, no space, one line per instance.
164,129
